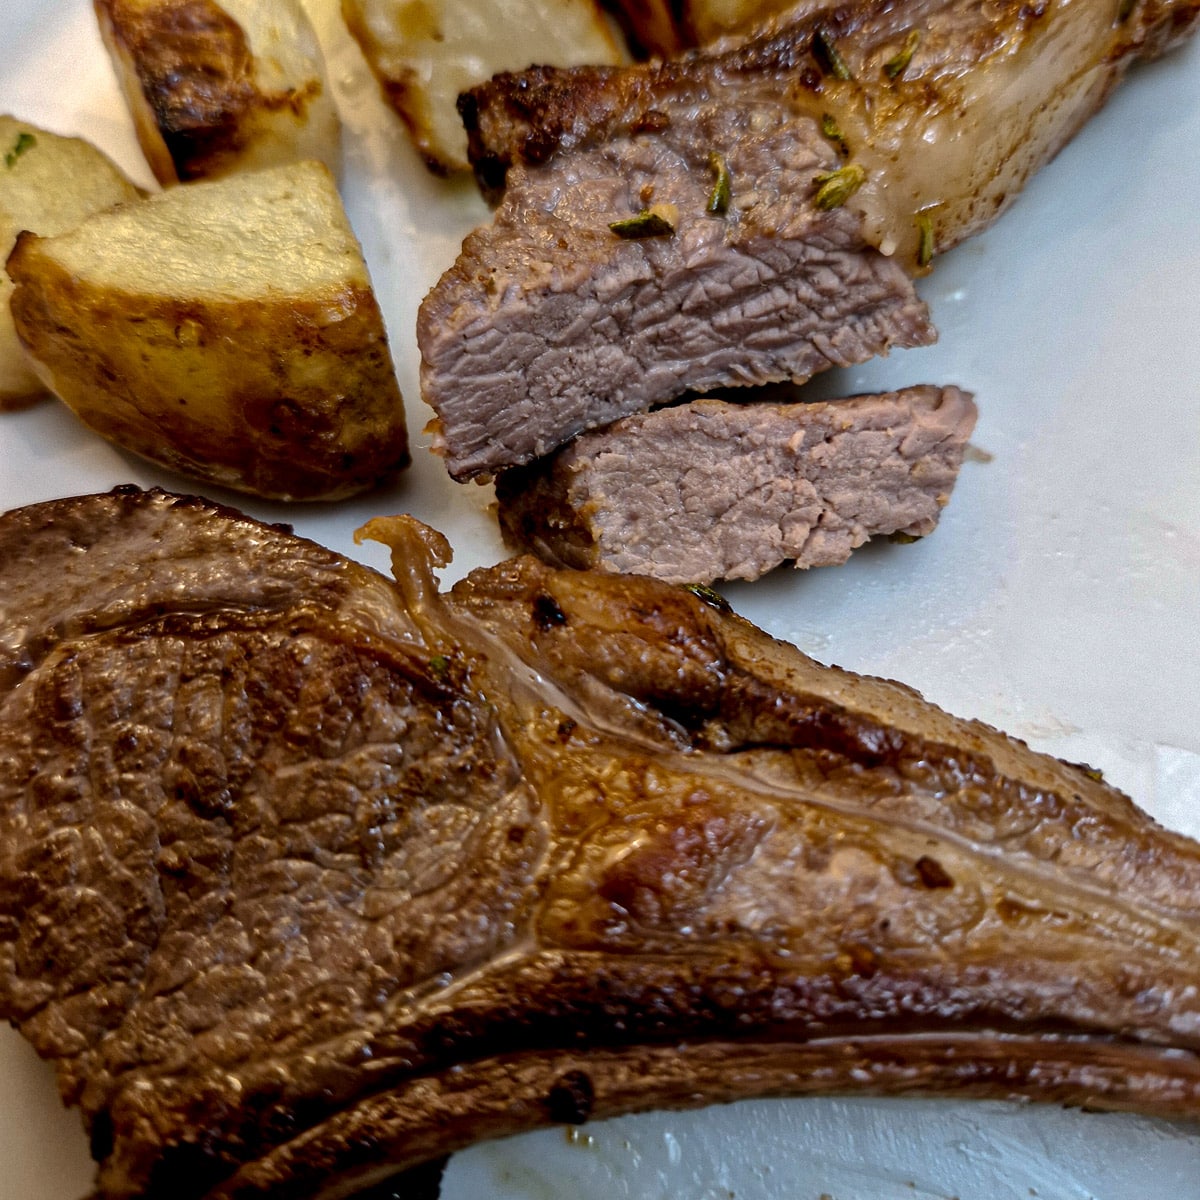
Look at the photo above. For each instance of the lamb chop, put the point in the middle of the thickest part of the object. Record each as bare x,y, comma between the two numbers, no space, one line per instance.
769,196
308,876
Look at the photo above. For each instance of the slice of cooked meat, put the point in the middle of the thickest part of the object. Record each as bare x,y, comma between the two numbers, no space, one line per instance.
934,112
947,105
550,323
712,490
307,877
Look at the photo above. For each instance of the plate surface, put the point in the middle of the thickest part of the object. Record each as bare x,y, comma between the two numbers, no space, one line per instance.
1057,600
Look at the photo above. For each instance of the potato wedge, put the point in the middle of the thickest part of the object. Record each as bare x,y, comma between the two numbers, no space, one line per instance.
48,184
425,52
225,329
221,87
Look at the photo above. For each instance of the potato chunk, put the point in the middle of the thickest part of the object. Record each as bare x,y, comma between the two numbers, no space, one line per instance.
226,329
665,27
48,184
652,26
221,87
707,20
425,52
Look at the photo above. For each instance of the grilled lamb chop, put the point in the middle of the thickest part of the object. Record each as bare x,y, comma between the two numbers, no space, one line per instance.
857,140
307,877
712,490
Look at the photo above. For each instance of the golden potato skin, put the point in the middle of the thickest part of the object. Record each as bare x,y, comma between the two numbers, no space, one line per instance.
425,52
182,384
226,330
48,184
211,94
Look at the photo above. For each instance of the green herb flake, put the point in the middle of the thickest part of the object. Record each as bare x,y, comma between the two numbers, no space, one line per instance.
924,223
711,597
825,50
831,130
722,190
834,188
898,63
439,665
646,224
903,539
25,141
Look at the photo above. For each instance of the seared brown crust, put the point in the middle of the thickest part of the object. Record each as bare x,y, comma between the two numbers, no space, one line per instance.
551,846
196,73
293,429
1066,57
571,1088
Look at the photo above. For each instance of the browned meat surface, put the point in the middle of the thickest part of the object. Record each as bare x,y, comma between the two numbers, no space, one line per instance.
306,877
712,490
949,105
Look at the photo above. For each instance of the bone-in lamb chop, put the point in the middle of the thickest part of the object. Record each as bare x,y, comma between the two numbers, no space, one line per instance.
307,877
770,197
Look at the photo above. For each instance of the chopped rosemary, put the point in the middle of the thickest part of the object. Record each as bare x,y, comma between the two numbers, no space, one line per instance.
827,54
712,598
924,223
831,130
25,141
836,187
898,63
722,191
647,224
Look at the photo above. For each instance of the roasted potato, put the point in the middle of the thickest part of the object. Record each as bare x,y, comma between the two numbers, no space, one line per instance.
224,329
665,27
221,87
652,26
707,20
425,52
48,184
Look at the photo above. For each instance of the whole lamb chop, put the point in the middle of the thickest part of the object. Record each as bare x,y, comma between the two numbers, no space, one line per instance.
308,877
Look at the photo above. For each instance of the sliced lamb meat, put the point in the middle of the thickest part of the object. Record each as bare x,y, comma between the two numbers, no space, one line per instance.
712,490
308,877
550,323
929,115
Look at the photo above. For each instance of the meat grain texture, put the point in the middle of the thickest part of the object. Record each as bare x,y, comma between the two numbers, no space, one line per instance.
308,876
712,490
550,323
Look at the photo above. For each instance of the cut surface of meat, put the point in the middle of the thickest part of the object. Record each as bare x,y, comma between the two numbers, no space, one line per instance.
308,876
711,490
550,323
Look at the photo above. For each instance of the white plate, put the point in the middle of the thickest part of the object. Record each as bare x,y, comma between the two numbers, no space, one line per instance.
1058,599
